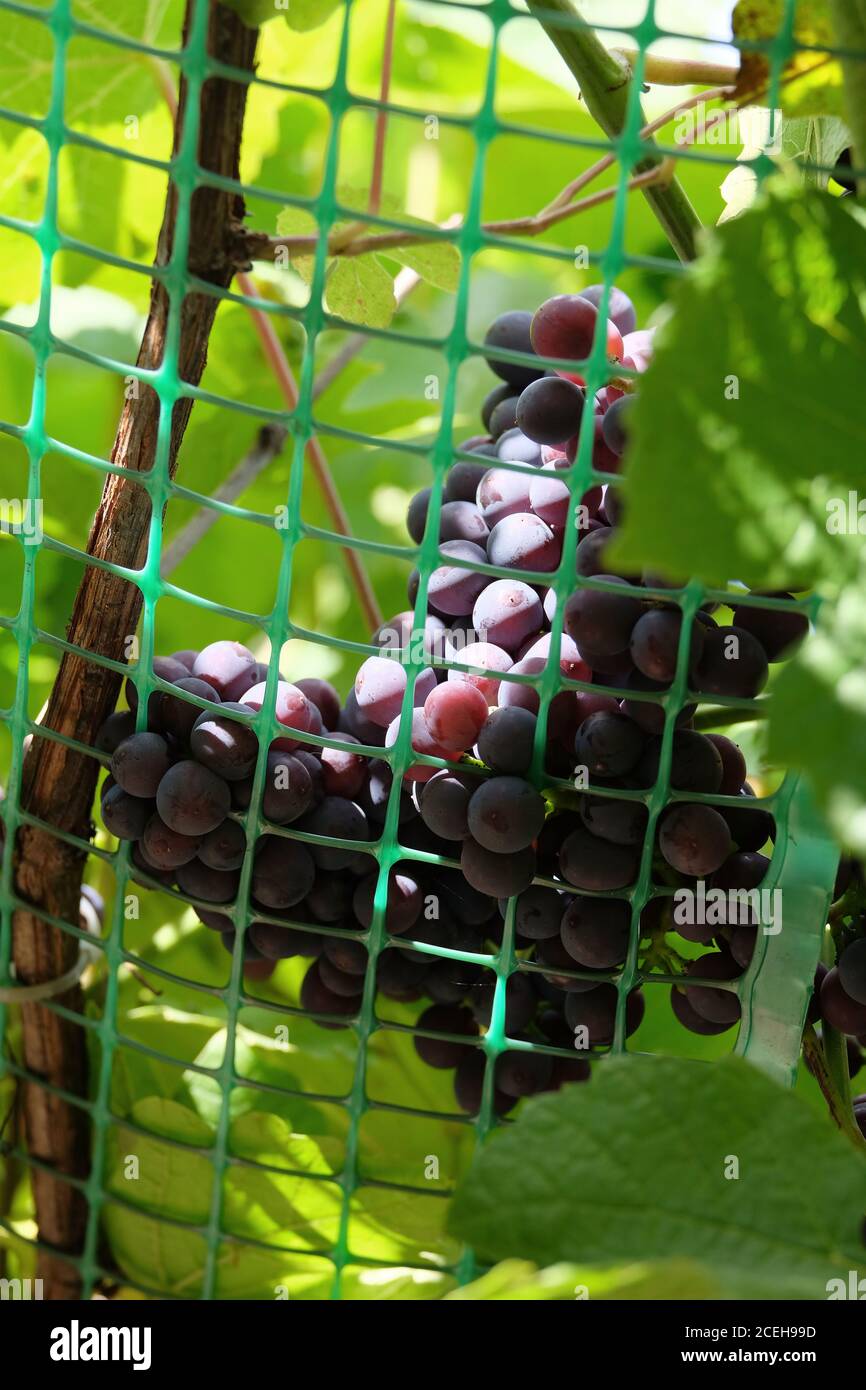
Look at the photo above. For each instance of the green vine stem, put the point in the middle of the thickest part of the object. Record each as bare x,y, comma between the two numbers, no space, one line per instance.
829,1066
849,25
603,79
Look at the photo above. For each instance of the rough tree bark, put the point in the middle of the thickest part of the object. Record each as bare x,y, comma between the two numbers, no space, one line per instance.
58,783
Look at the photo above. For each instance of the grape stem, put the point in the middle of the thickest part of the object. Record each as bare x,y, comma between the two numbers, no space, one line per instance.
661,71
829,1066
348,241
603,78
723,716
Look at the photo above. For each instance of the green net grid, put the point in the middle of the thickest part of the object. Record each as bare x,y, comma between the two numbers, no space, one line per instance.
774,990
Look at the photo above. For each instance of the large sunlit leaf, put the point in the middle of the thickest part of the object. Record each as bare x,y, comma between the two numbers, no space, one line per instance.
749,421
811,78
662,1158
828,674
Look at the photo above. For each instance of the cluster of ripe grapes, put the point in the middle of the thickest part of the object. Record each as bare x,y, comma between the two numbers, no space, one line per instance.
549,812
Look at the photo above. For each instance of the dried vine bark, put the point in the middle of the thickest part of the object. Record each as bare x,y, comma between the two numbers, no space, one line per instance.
58,784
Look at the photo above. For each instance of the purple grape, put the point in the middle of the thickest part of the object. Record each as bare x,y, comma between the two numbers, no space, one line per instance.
511,331
469,1085
595,931
750,829
778,632
444,1018
505,814
176,716
502,493
733,662
523,542
550,410
715,1005
621,822
497,874
416,516
316,998
691,1019
197,880
455,713
226,746
655,643
852,970
444,803
191,799
224,847
323,695
223,665
404,903
165,848
602,622
506,613
608,744
139,763
595,865
620,309
838,1008
462,521
288,789
334,819
283,872
343,770
538,913
506,741
461,483
696,765
694,839
125,816
595,1011
118,727
452,589
733,764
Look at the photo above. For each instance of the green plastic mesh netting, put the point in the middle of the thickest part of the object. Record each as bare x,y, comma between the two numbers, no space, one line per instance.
198,1235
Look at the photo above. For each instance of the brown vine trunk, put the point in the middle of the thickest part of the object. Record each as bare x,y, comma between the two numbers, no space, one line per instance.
58,783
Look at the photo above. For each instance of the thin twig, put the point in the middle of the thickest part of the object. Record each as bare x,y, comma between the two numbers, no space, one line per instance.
267,447
660,71
276,357
260,246
605,83
269,443
382,114
838,1102
285,378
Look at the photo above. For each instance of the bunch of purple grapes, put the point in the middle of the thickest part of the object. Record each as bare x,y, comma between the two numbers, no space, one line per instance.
543,804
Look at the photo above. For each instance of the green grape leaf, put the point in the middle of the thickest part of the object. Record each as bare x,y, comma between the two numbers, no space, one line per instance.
292,221
815,140
176,1182
748,422
104,83
812,142
811,81
304,15
660,1158
360,290
437,262
828,673
519,1280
